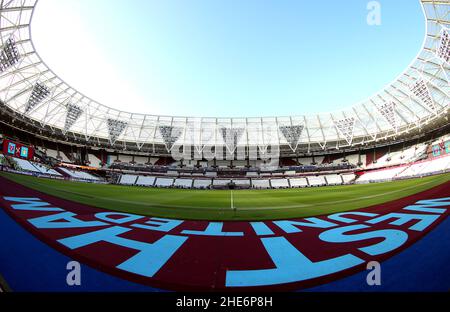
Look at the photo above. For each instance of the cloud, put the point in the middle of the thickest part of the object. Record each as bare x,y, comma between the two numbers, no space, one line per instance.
65,43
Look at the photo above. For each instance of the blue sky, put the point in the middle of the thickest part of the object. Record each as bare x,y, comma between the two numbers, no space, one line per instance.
227,58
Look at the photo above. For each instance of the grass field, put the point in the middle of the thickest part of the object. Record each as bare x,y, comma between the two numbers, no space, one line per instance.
229,205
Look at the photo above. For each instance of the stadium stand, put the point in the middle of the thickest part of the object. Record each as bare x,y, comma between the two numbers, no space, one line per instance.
64,158
261,183
141,160
348,178
299,182
34,167
127,179
82,175
425,167
410,154
221,182
45,170
333,179
164,182
52,153
145,181
202,183
279,183
94,161
317,181
183,183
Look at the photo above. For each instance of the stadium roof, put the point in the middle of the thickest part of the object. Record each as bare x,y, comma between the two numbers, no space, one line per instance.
420,96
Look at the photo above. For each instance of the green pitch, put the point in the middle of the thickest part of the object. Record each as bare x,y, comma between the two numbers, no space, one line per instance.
230,205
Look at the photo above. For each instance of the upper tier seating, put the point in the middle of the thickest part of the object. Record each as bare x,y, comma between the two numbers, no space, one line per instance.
221,182
140,160
64,158
51,153
412,170
384,174
408,155
415,169
437,165
223,163
240,163
94,161
125,158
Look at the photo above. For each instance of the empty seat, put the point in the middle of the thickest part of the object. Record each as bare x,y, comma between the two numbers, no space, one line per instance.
128,179
333,179
348,178
298,182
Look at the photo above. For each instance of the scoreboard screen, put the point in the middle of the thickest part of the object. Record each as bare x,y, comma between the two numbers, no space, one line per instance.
441,149
24,152
18,150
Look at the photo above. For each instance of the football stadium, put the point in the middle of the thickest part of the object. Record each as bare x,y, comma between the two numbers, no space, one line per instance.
98,199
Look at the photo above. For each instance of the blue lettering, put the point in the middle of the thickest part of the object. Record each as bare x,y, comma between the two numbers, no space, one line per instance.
291,226
261,228
126,217
290,266
427,205
151,257
339,217
50,222
159,224
403,218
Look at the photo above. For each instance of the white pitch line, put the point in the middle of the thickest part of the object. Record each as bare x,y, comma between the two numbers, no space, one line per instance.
232,200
